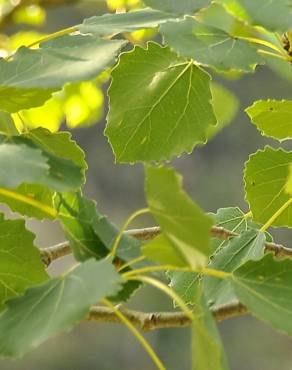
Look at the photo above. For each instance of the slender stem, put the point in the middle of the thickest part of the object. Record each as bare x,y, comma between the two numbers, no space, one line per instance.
248,215
124,227
274,55
30,201
24,126
276,215
264,43
206,271
132,262
52,36
135,332
169,292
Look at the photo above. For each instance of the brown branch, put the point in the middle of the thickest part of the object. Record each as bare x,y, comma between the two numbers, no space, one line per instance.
7,19
52,253
161,320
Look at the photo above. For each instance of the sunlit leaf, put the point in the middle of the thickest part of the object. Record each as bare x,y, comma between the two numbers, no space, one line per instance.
183,223
272,117
159,105
265,176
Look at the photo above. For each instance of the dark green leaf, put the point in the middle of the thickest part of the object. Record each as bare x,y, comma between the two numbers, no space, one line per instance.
30,78
109,24
210,46
275,15
47,309
248,246
177,7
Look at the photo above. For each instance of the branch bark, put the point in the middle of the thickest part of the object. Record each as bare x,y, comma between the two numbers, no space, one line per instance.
52,253
161,320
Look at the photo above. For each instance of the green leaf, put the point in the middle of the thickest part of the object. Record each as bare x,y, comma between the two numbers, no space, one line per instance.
288,186
36,192
159,105
225,105
20,163
183,223
185,283
265,287
90,233
210,46
65,160
59,144
272,117
275,15
265,176
31,77
160,250
250,245
216,15
46,310
109,24
230,218
7,125
20,262
207,348
177,7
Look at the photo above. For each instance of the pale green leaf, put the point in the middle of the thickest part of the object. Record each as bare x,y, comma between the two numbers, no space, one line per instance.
159,105
272,117
265,176
288,186
109,24
177,7
210,46
265,287
183,223
225,105
20,262
160,250
46,310
207,348
7,125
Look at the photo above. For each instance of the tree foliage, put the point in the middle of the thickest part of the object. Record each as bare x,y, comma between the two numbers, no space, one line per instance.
162,103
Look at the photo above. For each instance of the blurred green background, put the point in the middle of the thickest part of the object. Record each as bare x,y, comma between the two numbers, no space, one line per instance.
213,177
